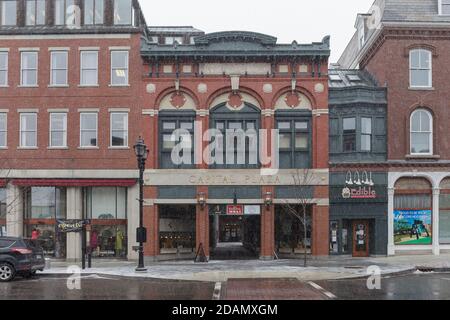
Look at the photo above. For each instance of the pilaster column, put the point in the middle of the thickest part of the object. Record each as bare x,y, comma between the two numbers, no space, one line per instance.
202,225
320,230
14,210
435,215
267,228
151,222
74,212
391,244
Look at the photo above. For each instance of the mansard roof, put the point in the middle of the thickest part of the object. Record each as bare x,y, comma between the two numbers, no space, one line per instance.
236,44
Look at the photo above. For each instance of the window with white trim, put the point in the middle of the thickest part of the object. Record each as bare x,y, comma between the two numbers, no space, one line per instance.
420,65
28,130
8,12
119,129
3,69
119,68
123,12
35,12
29,69
89,68
3,130
59,66
421,132
88,129
93,12
171,40
58,130
445,7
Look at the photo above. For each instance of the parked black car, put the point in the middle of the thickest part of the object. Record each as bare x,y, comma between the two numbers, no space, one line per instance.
19,257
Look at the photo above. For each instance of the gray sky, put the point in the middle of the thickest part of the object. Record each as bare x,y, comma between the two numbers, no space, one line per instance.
302,20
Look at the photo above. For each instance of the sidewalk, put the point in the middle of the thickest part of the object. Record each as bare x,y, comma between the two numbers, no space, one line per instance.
219,271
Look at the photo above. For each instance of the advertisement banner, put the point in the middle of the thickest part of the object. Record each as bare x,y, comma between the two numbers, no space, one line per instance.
413,227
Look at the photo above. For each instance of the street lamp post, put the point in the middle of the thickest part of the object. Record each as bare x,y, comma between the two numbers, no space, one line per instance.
141,233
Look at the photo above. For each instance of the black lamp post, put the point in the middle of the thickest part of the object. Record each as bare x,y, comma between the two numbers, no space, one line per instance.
141,233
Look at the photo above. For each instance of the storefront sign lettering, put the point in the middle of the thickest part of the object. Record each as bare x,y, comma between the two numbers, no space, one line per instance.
359,186
235,210
234,180
68,226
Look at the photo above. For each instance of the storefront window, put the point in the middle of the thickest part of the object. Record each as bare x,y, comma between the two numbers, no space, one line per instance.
290,231
444,214
413,212
334,248
107,209
43,205
177,229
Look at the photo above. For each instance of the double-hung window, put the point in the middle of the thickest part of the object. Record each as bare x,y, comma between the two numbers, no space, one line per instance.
445,7
366,134
349,134
119,129
29,69
294,143
8,12
3,130
88,129
119,68
35,12
59,67
93,12
169,140
58,130
89,68
28,130
421,132
420,65
123,12
3,69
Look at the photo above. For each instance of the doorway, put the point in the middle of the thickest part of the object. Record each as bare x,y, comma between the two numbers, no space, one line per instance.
361,238
235,237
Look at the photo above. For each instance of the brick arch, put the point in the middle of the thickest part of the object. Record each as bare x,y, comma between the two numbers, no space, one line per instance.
226,90
299,89
423,46
171,90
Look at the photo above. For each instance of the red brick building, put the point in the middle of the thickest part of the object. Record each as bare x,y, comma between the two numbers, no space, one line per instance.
228,81
407,52
80,81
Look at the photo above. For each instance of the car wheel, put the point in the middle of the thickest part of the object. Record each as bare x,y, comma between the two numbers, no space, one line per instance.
7,272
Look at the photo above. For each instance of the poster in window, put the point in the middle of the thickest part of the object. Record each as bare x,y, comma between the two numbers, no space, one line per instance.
413,227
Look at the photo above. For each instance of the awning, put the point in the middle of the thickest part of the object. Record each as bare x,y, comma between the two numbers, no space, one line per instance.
74,182
2,183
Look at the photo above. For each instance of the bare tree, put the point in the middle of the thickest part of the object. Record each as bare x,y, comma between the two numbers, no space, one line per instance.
302,179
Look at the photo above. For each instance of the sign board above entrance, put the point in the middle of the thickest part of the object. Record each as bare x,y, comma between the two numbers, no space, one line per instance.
252,210
237,210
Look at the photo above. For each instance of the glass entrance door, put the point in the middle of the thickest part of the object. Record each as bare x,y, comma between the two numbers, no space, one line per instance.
360,238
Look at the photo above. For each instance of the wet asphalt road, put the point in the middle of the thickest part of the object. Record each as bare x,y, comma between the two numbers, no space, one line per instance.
424,286
434,286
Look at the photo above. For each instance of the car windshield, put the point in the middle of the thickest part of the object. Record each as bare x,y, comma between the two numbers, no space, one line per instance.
6,243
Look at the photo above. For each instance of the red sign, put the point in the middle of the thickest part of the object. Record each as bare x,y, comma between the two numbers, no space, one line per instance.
235,210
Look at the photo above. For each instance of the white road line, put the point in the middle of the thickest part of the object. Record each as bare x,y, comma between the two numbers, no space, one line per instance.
217,290
325,292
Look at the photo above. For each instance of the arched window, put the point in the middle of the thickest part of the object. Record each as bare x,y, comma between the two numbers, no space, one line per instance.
420,68
421,132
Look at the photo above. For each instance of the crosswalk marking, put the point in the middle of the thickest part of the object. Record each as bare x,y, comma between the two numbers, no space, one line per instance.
325,292
217,290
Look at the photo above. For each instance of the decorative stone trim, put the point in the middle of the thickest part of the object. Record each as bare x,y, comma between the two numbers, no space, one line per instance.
28,110
88,110
58,110
268,112
202,112
319,112
119,110
150,112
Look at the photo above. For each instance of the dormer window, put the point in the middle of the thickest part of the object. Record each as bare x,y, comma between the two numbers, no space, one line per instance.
35,11
8,13
171,40
123,12
93,12
444,7
65,13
